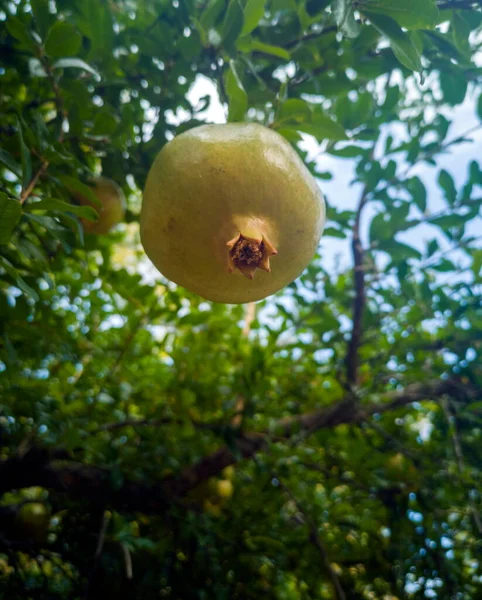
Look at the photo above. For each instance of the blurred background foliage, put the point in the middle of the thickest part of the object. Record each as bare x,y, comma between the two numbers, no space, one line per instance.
325,443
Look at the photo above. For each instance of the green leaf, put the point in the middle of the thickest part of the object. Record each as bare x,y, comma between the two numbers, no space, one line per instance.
477,262
74,225
474,406
381,227
348,152
400,43
444,266
42,16
25,154
74,185
332,232
7,159
105,123
53,204
411,14
18,29
32,251
232,25
74,63
447,222
398,250
323,127
211,13
461,30
294,109
10,213
54,227
200,29
345,18
453,84
19,282
253,13
417,40
446,182
475,173
292,135
96,24
419,194
238,99
432,247
479,107
256,45
63,40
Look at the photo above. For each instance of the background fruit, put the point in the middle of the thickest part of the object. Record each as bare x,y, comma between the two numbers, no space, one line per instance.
215,182
225,488
112,209
32,521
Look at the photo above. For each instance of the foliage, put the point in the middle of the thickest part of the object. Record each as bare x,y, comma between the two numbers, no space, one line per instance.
350,404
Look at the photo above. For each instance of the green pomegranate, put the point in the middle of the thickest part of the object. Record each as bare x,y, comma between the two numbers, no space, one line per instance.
112,206
32,522
230,212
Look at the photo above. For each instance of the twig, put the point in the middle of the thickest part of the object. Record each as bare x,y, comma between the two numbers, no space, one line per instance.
33,182
129,339
223,96
98,551
127,560
352,357
59,101
309,36
459,459
392,440
250,316
103,530
306,76
316,540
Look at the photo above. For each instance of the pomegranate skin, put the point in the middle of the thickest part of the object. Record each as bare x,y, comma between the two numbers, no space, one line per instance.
214,183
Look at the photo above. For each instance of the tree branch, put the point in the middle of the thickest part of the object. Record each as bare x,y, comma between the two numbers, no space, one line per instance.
33,182
98,552
459,459
310,36
352,358
93,485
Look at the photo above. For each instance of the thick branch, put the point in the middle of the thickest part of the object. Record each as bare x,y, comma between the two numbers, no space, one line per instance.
94,484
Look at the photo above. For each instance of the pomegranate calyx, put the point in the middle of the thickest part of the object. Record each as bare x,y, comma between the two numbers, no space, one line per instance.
248,254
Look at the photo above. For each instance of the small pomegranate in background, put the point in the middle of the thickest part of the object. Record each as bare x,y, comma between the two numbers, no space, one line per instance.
112,206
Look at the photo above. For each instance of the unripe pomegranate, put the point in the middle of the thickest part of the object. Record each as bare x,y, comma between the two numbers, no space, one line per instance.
112,206
32,522
230,212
